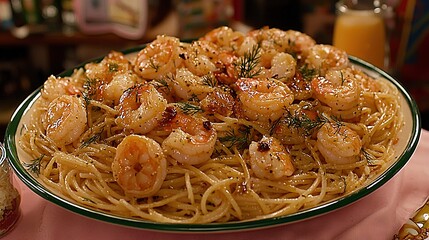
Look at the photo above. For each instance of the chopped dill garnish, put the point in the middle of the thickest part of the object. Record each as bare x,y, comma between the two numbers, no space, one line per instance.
137,99
308,73
240,139
309,125
277,43
188,108
134,90
89,90
293,120
90,140
302,121
291,50
153,65
113,67
274,125
193,98
247,64
337,123
160,84
209,80
88,200
291,43
34,166
367,156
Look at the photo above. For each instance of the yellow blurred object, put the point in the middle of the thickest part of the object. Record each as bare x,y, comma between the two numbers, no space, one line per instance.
417,227
360,31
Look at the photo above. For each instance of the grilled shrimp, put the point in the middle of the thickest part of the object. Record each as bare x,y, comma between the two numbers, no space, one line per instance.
283,66
140,108
263,99
281,41
300,87
299,43
269,42
139,166
115,88
338,144
339,89
227,72
220,101
225,37
102,83
289,129
323,57
249,42
200,57
273,41
269,159
65,119
115,62
158,58
192,139
57,86
186,85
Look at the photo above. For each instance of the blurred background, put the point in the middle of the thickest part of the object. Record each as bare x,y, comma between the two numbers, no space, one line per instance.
43,37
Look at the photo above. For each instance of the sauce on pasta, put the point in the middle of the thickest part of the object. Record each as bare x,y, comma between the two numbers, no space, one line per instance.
230,127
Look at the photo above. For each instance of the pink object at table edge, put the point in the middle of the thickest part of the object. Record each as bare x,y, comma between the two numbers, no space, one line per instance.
377,216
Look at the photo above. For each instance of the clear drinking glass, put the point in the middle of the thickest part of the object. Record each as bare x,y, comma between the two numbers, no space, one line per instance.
360,30
9,196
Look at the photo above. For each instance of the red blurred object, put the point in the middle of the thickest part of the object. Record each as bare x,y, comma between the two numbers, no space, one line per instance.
410,48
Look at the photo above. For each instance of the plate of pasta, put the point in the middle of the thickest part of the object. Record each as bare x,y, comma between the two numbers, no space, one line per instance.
231,131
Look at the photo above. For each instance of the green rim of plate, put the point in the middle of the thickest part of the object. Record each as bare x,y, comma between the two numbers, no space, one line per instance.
35,186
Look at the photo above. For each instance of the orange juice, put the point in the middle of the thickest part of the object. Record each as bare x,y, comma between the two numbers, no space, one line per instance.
361,33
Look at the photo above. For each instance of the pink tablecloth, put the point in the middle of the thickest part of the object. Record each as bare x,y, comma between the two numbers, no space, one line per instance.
377,216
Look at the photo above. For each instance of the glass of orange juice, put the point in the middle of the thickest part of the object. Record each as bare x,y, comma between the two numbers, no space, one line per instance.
360,30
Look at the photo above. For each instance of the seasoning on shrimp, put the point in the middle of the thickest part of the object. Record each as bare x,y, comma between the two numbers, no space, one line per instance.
269,159
191,139
65,119
220,101
340,90
57,86
338,144
201,57
231,127
140,108
139,166
263,99
159,58
186,85
324,57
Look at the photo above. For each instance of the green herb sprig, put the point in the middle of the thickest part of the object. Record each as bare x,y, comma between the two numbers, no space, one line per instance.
34,166
153,65
308,73
247,64
94,138
209,80
189,108
367,156
113,67
161,84
302,121
240,138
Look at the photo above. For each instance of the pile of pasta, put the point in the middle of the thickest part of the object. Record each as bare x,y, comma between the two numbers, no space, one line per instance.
230,127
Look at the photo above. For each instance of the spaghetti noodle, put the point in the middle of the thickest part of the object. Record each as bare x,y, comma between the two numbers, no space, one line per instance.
230,127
